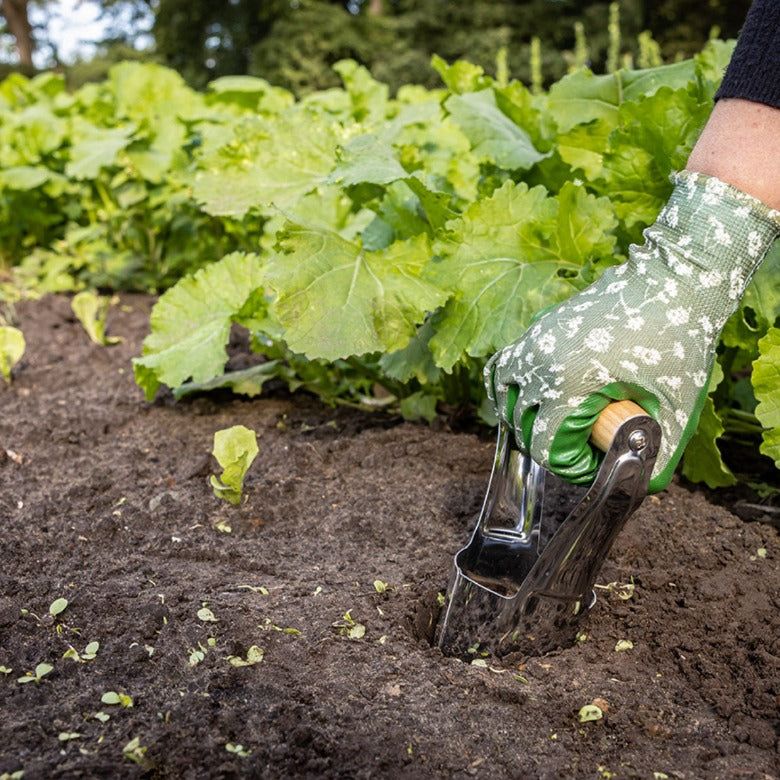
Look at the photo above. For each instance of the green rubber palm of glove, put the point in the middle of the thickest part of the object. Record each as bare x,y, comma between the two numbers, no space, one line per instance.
645,330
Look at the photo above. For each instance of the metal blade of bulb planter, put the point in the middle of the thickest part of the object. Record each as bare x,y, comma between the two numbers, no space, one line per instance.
525,579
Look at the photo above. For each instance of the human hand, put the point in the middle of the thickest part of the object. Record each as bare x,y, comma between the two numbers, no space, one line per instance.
646,330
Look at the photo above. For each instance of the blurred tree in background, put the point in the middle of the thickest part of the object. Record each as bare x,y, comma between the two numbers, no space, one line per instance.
293,43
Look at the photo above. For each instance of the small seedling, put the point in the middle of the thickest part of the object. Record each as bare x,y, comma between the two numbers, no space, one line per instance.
5,669
481,662
12,348
623,590
91,310
88,654
380,587
262,590
238,750
196,656
267,625
349,628
67,736
16,775
40,672
57,607
206,615
103,717
112,697
440,599
133,751
623,645
235,449
254,656
589,712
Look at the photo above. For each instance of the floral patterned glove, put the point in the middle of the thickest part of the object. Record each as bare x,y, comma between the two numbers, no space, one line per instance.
646,330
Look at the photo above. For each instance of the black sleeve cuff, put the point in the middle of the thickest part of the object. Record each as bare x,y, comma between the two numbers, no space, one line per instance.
754,71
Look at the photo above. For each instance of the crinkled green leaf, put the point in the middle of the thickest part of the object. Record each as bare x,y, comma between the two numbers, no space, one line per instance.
190,324
367,158
759,308
24,177
336,299
419,406
582,97
766,385
368,96
654,137
12,346
97,148
702,461
461,76
503,261
91,311
584,145
414,361
268,163
235,449
493,135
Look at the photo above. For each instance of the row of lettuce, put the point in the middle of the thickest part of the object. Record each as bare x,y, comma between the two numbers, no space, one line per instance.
377,248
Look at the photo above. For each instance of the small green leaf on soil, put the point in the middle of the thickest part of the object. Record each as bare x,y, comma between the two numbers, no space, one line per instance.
379,586
57,606
481,662
91,310
67,736
440,599
112,697
582,637
206,615
358,631
623,645
196,656
238,750
520,678
103,717
660,776
234,449
71,652
761,552
133,751
254,656
589,712
5,669
90,651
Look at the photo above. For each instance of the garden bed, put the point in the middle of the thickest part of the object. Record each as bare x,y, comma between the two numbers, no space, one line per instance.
105,502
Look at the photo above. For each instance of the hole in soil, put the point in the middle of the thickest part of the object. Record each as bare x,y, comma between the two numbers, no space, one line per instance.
426,616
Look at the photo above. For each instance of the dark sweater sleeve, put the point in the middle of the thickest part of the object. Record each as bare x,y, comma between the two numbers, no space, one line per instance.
754,71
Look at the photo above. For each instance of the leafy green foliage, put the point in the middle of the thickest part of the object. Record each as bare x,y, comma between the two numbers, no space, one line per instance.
234,449
379,248
766,381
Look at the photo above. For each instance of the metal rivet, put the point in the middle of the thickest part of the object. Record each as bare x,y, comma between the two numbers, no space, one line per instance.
637,440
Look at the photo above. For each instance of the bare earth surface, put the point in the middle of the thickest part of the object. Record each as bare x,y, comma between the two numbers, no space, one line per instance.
105,502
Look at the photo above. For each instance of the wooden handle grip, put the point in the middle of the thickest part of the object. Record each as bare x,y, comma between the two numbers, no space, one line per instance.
611,419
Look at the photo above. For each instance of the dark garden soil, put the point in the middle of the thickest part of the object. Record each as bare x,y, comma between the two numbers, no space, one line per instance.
104,501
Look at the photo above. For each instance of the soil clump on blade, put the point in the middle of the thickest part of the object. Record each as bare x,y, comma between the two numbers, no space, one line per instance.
106,503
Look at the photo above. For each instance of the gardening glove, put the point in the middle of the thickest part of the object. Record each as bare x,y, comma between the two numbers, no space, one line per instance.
645,330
